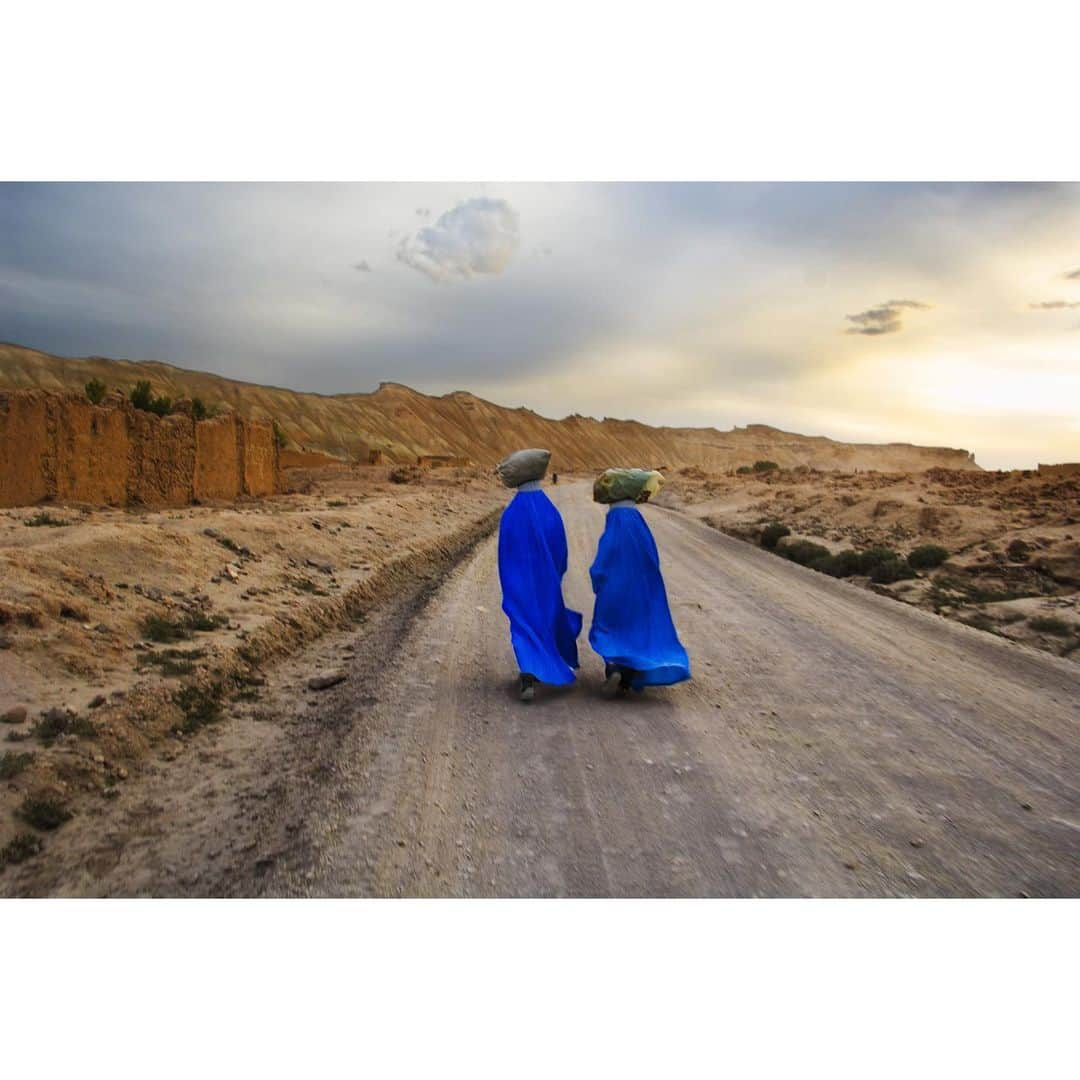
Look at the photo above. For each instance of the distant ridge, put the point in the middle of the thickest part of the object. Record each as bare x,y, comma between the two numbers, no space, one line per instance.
404,423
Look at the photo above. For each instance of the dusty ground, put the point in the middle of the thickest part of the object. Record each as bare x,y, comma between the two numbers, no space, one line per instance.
832,742
255,578
1013,538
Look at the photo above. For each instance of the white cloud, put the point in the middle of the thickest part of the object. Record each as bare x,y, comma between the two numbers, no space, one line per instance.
478,236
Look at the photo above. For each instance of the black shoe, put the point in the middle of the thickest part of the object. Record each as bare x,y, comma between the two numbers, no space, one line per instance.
527,689
617,680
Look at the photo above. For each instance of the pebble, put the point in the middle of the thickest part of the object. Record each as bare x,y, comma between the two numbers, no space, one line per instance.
13,716
232,571
916,841
97,702
1025,806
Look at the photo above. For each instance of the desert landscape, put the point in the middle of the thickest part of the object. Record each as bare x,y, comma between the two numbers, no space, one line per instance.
191,644
999,551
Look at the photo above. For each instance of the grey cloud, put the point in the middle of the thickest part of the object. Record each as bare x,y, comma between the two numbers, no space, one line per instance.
884,319
478,236
363,265
1054,305
1072,275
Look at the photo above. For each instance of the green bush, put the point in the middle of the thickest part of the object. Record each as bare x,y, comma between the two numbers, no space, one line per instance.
841,565
43,517
804,552
927,556
765,466
43,812
743,470
142,395
279,436
889,570
874,556
198,409
95,391
772,533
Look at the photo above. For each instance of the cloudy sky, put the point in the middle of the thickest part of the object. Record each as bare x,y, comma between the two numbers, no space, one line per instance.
945,314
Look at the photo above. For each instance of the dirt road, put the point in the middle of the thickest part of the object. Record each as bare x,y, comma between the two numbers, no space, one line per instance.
832,742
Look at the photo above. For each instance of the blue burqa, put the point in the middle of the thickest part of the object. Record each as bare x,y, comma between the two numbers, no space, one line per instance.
532,561
631,624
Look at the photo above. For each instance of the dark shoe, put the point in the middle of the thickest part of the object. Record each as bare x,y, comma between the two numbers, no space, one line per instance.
617,680
528,688
613,685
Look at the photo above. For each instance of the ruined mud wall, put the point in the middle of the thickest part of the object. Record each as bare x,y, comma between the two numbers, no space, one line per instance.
27,453
1068,468
59,446
218,473
259,457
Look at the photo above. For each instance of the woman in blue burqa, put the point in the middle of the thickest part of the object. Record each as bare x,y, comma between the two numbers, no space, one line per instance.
631,627
532,562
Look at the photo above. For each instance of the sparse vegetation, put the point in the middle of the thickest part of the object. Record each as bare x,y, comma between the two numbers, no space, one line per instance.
201,411
200,706
841,565
773,532
11,764
1050,624
302,584
56,722
280,437
890,570
43,812
927,556
803,552
142,397
1018,551
874,556
405,474
743,470
337,503
44,518
166,630
19,849
95,391
765,466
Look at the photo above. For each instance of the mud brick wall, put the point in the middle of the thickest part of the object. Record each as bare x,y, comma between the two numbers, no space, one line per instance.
218,470
27,454
59,446
259,456
161,461
92,449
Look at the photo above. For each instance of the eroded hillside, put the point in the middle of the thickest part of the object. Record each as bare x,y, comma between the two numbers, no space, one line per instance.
404,423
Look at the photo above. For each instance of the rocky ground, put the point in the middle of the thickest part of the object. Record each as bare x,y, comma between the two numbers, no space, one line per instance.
124,632
1012,539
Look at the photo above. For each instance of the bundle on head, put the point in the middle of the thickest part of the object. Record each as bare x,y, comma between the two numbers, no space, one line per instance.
521,467
617,485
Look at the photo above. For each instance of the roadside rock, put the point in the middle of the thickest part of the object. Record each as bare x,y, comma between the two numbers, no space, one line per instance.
16,715
324,682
